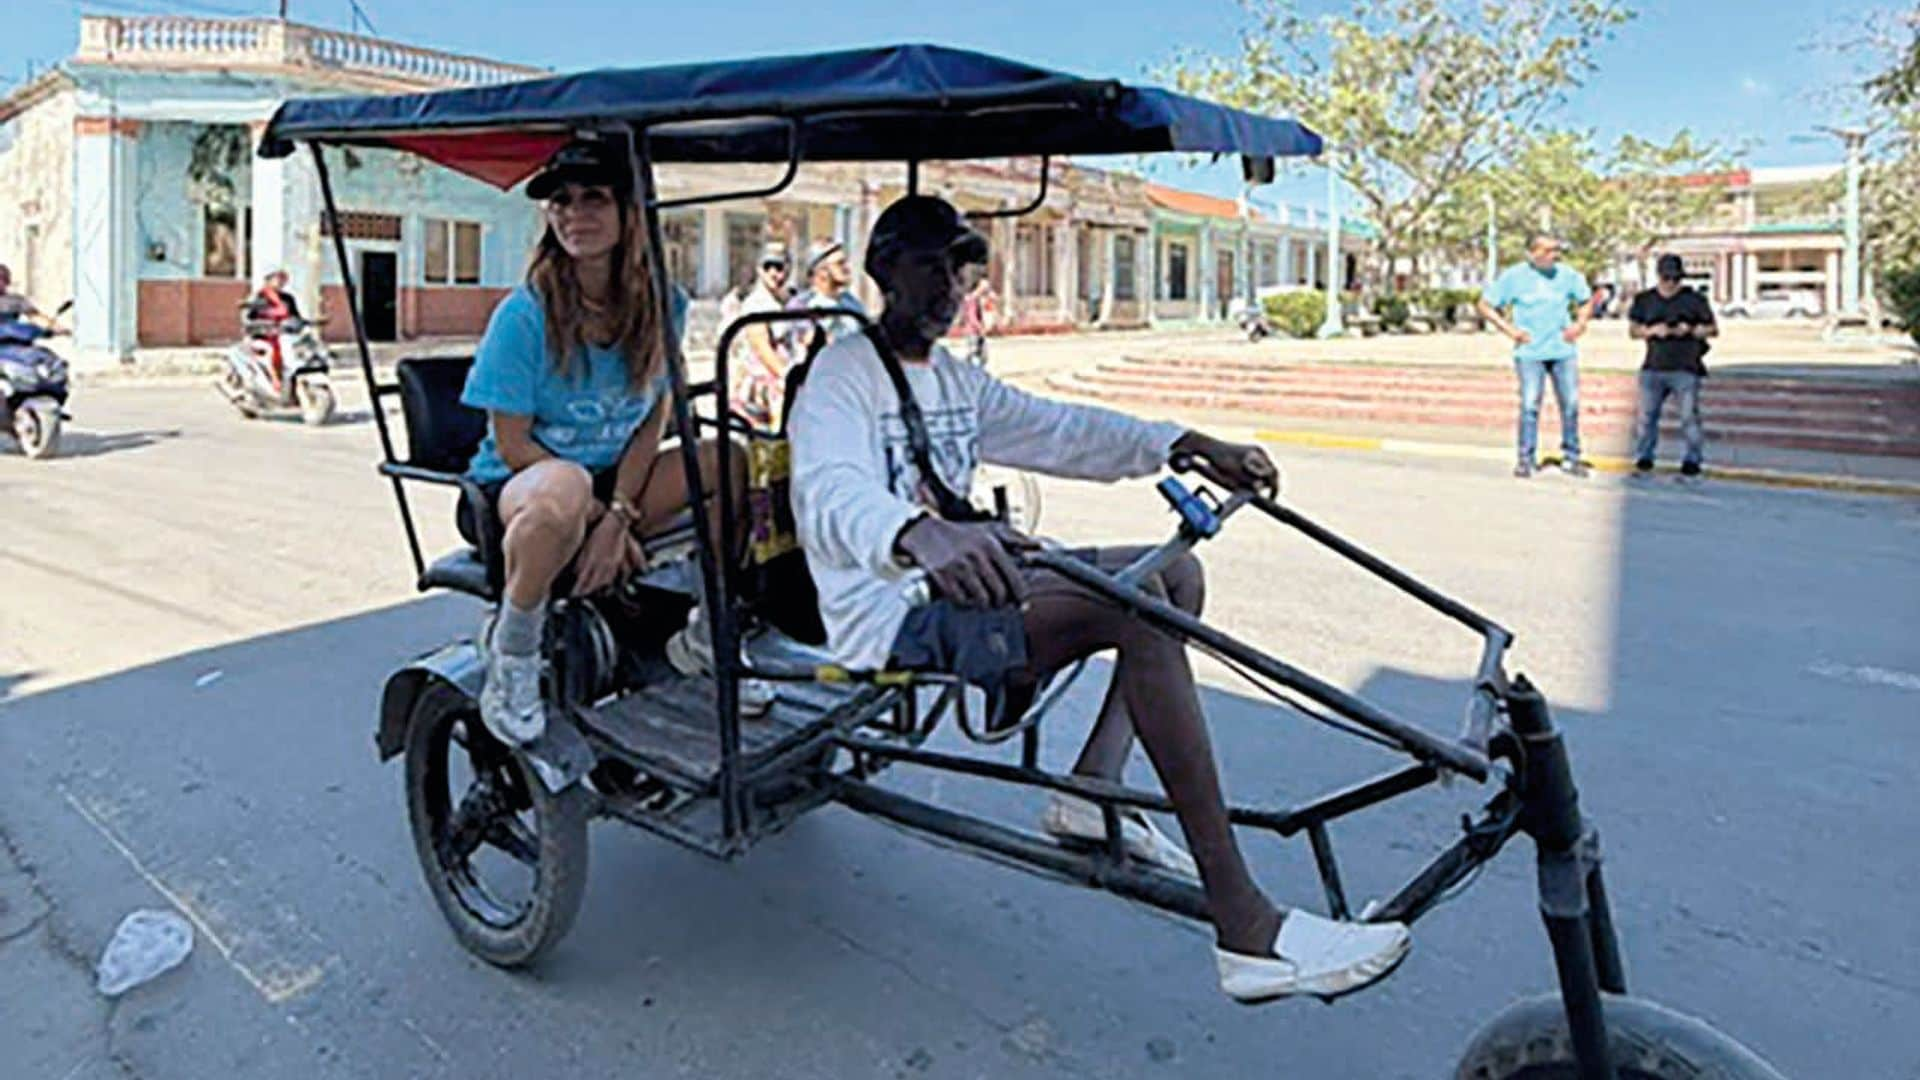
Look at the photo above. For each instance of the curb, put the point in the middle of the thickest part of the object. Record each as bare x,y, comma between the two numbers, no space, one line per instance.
1320,440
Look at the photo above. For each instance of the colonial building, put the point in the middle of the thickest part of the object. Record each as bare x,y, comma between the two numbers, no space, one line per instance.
1777,232
128,183
1209,251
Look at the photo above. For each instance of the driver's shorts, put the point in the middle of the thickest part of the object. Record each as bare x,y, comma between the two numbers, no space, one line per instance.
985,646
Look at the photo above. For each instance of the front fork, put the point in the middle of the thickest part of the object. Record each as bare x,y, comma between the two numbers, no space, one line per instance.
1573,895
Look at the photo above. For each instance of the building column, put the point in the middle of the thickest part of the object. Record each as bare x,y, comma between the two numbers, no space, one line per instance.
1203,263
713,251
287,208
1108,273
105,263
1749,276
1066,282
1833,282
1147,272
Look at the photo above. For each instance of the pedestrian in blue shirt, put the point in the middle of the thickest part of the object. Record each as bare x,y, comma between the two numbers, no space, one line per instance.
1551,306
571,373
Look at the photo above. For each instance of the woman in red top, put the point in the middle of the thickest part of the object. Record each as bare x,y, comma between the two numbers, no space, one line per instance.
273,304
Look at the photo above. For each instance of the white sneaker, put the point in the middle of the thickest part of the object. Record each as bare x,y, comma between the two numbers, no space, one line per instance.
510,702
691,653
1069,817
1314,955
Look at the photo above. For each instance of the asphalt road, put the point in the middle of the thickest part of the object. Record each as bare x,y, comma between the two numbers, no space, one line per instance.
197,612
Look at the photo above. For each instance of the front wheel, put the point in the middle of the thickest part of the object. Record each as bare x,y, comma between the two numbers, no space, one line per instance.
1529,1040
505,858
316,401
36,424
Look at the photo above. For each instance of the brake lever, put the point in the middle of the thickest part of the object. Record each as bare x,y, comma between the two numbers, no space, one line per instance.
1182,461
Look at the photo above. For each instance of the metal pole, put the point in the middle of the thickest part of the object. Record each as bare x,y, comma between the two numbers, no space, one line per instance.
1493,245
1850,258
1333,327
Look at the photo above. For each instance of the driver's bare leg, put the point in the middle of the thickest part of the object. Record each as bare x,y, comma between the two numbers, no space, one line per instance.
1181,583
1155,686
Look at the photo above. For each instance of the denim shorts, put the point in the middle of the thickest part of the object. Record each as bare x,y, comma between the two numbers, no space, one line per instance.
985,646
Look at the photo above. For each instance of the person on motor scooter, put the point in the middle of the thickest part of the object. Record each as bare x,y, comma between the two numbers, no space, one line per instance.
12,304
868,517
274,304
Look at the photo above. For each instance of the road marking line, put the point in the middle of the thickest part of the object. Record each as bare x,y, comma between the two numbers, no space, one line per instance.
276,991
1866,673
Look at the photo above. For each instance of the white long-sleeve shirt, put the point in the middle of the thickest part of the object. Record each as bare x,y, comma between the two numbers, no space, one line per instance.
855,485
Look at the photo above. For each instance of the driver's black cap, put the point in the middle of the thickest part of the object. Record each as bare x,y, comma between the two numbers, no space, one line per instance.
1671,266
583,161
921,223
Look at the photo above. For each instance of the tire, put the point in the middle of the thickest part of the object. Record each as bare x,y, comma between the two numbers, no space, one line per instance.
233,387
1529,1041
36,426
444,727
1023,495
316,401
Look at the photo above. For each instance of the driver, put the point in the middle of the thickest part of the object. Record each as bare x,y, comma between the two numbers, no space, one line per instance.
12,304
274,304
862,507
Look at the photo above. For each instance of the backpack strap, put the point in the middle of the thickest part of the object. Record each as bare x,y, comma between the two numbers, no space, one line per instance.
919,446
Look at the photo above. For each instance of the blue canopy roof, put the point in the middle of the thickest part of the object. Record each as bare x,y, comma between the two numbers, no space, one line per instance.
906,102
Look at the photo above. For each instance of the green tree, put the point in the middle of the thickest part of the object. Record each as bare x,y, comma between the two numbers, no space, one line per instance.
1417,96
1891,210
1607,205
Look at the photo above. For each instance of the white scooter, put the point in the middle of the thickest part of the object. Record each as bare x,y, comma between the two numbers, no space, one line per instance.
257,386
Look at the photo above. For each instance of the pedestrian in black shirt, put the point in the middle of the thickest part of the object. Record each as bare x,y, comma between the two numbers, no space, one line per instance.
1675,322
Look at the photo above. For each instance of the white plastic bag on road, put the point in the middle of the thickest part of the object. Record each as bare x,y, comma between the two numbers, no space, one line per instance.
146,945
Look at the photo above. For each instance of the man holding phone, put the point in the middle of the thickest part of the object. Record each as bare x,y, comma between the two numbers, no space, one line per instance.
1675,322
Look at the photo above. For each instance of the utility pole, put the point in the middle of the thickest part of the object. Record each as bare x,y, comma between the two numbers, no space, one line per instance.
1333,327
1856,139
1493,245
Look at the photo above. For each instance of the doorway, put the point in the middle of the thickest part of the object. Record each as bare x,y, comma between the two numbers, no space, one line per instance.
380,294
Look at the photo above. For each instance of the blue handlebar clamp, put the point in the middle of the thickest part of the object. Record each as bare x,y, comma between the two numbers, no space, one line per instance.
1199,515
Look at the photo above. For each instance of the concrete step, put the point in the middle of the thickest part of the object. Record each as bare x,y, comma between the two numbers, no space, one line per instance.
1722,397
1887,393
1284,397
1602,419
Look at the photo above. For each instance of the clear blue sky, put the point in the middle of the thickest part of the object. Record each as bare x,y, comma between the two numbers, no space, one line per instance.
1735,70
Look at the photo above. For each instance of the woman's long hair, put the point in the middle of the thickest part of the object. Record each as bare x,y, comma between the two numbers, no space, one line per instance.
630,305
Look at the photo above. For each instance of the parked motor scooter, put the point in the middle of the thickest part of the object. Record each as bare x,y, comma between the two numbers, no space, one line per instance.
1250,319
33,385
257,386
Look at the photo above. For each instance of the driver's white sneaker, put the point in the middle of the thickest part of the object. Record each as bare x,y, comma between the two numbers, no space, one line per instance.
690,651
1314,955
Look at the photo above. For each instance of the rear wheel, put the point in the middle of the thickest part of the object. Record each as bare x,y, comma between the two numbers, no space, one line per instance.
36,424
505,858
233,386
1023,495
1529,1040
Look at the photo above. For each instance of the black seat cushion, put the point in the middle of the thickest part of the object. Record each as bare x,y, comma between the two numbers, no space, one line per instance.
442,433
461,571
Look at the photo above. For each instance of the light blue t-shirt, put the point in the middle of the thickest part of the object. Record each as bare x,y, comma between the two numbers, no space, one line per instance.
1541,305
585,417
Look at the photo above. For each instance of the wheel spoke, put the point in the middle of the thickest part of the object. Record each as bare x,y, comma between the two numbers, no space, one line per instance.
468,825
511,835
